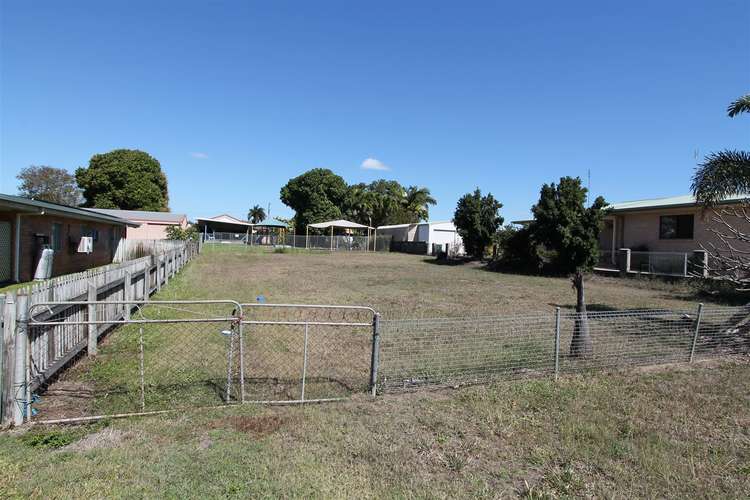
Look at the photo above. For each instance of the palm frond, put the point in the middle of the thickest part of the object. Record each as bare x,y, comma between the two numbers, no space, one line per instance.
741,105
722,174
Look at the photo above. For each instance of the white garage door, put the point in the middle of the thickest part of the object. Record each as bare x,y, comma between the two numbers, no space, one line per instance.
5,263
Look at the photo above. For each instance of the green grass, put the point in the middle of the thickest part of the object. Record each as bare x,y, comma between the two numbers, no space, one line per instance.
679,432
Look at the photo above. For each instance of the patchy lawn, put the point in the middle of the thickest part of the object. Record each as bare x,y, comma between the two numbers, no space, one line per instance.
401,285
679,431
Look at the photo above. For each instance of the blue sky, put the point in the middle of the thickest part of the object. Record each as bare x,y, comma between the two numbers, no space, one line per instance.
235,98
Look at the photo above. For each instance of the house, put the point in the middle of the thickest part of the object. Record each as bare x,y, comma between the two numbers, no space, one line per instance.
80,238
677,224
224,229
152,225
423,237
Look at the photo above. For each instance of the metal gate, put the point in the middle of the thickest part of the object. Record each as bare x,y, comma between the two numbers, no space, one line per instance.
296,353
157,357
167,355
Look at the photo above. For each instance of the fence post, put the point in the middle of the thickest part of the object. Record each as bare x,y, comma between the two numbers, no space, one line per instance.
158,273
697,330
375,359
20,372
127,295
9,342
557,343
166,269
92,330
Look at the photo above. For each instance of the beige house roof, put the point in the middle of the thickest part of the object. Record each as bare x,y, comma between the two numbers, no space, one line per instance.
144,215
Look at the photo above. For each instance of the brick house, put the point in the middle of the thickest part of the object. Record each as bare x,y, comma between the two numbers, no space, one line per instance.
152,225
28,226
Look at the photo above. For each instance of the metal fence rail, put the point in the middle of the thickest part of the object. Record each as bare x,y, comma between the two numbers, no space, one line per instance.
456,351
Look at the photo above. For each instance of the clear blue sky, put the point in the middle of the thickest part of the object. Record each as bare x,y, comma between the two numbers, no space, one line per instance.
234,98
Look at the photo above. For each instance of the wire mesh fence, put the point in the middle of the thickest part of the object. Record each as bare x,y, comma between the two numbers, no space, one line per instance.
185,354
167,356
306,352
458,351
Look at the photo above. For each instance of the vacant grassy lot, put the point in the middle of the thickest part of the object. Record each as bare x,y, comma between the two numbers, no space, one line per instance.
400,285
674,432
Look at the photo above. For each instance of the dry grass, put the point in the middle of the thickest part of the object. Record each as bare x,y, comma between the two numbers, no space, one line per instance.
648,433
401,285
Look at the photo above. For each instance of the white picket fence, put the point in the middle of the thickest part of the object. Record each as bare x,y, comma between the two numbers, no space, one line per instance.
134,279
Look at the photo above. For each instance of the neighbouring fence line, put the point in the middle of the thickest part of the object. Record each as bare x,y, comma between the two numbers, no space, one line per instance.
339,243
132,280
131,249
457,351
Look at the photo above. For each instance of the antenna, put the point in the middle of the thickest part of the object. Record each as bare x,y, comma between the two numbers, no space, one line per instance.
588,191
269,210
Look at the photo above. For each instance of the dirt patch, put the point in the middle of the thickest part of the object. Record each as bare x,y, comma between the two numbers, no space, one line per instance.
105,438
66,399
257,426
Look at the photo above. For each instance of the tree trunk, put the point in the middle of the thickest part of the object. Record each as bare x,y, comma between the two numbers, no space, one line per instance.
581,345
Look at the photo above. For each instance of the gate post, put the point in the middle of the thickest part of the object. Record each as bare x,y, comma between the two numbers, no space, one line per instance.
21,368
375,359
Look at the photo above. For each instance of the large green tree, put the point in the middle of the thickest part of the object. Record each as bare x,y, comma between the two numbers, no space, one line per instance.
49,184
563,224
127,179
319,195
477,220
315,196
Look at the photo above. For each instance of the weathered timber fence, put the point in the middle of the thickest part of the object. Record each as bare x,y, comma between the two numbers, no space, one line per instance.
51,349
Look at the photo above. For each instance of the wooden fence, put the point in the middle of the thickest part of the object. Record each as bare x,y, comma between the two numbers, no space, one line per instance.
51,349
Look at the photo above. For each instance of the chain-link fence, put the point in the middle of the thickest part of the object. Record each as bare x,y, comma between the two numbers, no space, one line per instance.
306,352
456,351
166,356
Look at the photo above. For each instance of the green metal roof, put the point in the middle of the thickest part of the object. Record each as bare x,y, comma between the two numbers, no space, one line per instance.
686,200
40,207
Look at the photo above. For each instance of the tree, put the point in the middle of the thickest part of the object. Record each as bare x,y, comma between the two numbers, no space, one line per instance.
45,183
564,225
417,203
721,175
315,196
126,179
477,221
178,233
256,214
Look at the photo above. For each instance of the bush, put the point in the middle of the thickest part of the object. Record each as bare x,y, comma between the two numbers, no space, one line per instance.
516,251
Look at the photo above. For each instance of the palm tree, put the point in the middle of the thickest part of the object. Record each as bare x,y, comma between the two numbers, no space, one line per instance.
417,202
256,214
727,172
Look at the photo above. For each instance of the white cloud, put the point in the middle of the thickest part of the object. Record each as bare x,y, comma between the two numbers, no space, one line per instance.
200,156
373,164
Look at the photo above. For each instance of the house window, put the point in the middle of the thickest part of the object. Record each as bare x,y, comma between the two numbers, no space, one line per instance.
88,231
676,227
56,242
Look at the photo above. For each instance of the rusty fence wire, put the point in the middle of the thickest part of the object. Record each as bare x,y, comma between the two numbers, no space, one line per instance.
457,351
